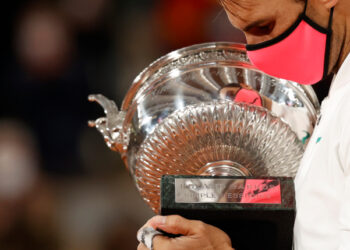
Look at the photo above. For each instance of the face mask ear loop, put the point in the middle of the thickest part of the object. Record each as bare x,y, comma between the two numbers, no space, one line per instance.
304,12
328,44
330,19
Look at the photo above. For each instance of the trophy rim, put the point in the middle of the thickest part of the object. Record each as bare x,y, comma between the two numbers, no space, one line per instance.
142,80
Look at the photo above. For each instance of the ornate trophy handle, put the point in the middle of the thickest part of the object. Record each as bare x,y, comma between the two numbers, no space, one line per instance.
111,126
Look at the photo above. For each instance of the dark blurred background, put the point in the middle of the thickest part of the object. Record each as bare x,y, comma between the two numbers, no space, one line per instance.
60,186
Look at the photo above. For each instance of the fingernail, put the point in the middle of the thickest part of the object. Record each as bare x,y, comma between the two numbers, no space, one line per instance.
159,220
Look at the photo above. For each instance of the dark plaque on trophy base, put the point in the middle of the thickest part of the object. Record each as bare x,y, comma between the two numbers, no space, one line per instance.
257,213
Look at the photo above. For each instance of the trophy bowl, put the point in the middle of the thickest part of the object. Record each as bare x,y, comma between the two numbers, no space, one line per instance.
206,110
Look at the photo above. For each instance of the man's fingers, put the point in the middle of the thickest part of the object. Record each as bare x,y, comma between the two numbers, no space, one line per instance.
142,247
147,224
146,234
159,242
176,224
196,234
163,242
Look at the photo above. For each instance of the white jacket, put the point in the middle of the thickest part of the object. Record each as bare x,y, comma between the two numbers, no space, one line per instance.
323,181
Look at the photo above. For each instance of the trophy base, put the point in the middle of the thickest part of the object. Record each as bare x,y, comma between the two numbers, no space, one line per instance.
256,213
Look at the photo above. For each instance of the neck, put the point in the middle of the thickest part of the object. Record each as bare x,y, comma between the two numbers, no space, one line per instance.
345,48
341,32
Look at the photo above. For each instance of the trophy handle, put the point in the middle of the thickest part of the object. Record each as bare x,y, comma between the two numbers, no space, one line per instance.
111,127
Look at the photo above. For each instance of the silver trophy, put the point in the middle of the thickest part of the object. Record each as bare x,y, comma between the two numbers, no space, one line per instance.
205,110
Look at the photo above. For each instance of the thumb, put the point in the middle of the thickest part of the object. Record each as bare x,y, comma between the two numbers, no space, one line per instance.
175,224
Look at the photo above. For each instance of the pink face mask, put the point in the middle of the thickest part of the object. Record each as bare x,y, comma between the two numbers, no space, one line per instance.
300,54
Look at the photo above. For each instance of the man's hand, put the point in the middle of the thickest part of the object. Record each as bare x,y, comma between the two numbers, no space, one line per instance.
196,235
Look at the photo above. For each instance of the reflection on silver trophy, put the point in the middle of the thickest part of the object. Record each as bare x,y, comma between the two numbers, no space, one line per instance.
205,110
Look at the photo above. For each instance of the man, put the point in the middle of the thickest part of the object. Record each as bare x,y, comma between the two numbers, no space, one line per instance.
302,41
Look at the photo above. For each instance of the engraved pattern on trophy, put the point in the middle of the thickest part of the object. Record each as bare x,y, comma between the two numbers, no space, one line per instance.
245,140
202,56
